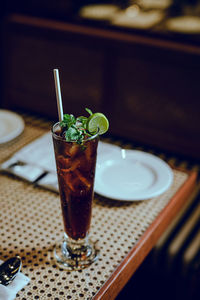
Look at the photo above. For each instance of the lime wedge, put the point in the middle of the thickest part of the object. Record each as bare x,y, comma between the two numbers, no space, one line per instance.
97,121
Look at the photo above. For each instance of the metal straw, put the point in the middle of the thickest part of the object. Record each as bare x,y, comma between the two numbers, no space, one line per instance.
58,94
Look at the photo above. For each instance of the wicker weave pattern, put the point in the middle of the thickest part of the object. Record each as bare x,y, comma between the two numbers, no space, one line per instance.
31,223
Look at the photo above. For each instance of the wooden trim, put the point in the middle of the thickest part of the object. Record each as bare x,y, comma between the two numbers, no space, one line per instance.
106,34
136,256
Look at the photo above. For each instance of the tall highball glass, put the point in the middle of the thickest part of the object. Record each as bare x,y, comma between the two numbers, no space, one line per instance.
76,171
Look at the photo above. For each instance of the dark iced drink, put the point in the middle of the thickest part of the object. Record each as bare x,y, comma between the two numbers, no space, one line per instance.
76,171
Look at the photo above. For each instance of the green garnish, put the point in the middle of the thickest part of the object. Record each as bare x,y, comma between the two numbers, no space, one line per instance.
89,111
68,121
76,129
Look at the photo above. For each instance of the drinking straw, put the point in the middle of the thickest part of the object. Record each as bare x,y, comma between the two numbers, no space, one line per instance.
58,94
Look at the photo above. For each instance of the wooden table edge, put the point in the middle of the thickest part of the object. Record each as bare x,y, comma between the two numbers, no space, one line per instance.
135,257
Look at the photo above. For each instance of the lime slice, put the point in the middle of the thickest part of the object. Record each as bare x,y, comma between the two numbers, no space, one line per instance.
97,121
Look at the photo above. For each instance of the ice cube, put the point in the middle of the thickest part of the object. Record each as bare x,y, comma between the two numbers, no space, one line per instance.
63,163
82,179
73,149
70,182
88,152
67,181
74,165
70,166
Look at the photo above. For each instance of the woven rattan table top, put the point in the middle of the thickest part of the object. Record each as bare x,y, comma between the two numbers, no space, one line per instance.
31,223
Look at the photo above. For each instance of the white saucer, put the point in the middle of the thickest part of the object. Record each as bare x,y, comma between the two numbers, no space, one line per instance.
137,20
98,11
131,175
11,125
156,4
184,24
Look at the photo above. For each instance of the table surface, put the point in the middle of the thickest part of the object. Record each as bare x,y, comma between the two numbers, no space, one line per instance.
125,232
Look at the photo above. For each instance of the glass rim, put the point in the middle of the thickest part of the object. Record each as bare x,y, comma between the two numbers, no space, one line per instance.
57,137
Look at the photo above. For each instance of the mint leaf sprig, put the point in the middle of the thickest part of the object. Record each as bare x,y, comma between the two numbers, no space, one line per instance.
68,121
89,111
75,128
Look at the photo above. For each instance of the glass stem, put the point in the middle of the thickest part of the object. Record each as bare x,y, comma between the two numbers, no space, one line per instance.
76,248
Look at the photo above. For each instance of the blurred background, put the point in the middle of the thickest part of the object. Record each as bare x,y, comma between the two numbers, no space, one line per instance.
140,58
136,61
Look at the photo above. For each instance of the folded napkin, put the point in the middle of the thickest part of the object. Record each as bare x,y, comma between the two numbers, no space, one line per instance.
36,162
9,292
33,160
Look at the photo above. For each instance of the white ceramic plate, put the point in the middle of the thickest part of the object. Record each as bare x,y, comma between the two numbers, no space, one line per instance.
157,4
106,148
98,11
131,175
139,20
184,24
11,125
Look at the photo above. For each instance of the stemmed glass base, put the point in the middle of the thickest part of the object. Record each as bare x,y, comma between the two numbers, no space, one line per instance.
75,255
